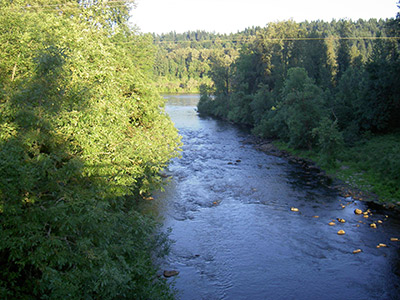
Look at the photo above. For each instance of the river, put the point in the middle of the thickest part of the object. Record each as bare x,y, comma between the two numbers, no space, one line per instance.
229,208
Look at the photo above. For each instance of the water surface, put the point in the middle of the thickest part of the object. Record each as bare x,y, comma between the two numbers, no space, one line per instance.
229,208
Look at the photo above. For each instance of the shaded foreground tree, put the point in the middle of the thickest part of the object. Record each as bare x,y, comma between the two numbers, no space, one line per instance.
82,140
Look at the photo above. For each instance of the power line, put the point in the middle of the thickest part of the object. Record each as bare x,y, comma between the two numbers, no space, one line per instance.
81,5
335,38
285,39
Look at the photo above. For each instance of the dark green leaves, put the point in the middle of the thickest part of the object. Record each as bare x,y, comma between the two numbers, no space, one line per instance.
72,165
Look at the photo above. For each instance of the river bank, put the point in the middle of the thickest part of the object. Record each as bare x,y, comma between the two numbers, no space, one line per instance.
229,209
348,181
367,171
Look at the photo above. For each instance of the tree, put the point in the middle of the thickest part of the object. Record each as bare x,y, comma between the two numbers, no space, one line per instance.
301,108
329,140
82,140
381,106
343,56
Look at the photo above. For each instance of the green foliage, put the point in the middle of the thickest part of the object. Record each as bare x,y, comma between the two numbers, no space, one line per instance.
291,80
330,140
348,103
82,140
181,69
301,108
241,110
262,103
183,61
370,165
381,105
377,162
206,104
297,114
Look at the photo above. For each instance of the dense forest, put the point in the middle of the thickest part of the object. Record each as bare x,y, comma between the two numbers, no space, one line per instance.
328,90
183,61
83,137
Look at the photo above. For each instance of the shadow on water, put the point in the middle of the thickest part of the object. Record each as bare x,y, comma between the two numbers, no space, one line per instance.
236,237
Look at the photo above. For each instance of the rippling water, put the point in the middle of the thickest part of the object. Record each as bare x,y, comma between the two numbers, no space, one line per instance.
228,206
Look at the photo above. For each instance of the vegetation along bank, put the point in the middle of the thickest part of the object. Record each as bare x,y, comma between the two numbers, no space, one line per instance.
326,91
83,136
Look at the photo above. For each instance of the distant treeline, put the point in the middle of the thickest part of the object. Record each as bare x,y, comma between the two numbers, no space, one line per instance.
184,61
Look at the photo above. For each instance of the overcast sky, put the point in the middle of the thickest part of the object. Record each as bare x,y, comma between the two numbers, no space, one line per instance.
225,16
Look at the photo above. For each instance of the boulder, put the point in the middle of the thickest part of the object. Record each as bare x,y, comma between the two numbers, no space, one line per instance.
170,273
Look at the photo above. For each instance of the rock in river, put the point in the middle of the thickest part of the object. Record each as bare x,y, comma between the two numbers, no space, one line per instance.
170,273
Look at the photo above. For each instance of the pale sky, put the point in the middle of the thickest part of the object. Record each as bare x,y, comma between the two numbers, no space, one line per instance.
225,16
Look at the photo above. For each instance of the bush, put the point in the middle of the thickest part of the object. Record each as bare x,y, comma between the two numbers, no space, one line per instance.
330,140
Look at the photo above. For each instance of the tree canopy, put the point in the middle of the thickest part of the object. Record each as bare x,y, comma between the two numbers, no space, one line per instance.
314,85
83,137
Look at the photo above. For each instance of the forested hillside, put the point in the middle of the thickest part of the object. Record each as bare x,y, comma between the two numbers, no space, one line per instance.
83,138
183,61
327,89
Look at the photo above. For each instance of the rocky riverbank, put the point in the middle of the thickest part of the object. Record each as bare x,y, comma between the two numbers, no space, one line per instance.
345,189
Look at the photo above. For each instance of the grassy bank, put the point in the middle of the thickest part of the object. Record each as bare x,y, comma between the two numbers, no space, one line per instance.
371,165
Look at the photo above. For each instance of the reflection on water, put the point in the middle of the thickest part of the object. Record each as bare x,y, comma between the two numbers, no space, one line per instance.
228,206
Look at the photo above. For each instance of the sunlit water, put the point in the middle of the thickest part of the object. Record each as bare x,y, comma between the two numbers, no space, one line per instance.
229,208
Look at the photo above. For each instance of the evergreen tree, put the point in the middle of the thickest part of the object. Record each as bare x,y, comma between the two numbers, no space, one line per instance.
343,56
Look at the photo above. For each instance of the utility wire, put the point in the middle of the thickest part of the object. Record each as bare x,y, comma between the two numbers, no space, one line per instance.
81,5
285,39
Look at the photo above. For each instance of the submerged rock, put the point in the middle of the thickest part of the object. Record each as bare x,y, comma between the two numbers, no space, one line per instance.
170,273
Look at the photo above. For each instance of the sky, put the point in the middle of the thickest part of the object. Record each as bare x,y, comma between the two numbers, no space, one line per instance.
226,16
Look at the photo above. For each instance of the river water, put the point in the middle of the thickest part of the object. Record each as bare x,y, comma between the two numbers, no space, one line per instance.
229,208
